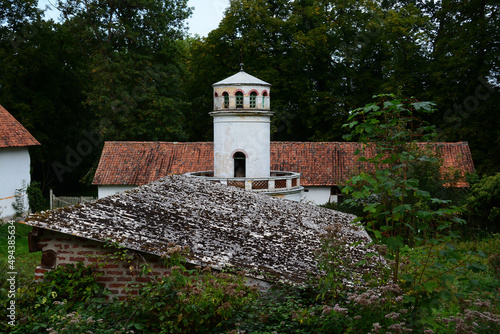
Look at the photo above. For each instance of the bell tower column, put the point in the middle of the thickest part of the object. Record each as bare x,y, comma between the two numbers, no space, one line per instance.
242,127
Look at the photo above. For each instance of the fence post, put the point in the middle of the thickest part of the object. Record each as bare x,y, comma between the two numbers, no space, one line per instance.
51,194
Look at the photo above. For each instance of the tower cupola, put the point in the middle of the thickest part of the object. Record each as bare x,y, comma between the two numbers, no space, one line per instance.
242,91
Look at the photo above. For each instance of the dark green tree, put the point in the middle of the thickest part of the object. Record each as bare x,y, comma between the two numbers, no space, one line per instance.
15,14
464,73
40,85
308,50
109,70
483,206
135,65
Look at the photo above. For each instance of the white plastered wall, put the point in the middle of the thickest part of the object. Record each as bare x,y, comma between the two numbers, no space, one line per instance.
14,175
317,195
246,134
103,191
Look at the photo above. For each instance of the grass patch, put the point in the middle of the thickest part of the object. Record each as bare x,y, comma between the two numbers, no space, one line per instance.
25,262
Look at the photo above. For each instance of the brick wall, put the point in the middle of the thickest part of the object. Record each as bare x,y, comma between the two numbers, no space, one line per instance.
61,249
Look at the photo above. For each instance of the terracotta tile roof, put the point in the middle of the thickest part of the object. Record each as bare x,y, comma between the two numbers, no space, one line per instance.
320,163
271,238
139,163
456,157
13,133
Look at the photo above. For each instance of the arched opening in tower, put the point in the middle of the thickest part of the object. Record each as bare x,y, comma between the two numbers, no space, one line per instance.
239,100
239,164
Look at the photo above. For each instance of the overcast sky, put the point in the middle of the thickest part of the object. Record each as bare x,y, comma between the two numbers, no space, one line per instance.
206,15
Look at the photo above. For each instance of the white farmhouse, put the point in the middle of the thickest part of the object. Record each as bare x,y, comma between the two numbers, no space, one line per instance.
14,163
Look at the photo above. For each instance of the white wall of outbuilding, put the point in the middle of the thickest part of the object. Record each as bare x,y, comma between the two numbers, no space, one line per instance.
107,190
14,179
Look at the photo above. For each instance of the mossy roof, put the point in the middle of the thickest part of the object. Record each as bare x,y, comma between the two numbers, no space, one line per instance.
271,238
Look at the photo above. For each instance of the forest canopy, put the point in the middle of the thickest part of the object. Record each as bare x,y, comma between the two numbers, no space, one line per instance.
129,70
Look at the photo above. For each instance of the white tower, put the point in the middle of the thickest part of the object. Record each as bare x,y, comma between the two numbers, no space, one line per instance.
242,127
242,139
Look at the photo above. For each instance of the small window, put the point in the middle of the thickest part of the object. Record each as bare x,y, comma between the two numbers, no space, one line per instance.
264,95
226,99
239,164
253,100
239,100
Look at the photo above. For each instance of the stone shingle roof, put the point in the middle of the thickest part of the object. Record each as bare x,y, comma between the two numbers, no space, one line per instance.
13,133
272,238
320,163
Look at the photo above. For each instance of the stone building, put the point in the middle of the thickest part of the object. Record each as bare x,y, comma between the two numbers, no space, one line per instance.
271,239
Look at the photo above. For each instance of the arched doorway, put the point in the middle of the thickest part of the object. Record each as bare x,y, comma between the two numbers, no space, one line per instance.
239,164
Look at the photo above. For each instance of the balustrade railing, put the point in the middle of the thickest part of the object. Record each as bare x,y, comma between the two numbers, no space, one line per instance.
278,181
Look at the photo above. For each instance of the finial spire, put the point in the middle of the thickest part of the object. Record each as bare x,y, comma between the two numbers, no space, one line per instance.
241,67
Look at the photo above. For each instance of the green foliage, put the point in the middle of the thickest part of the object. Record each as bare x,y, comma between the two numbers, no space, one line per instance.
462,54
15,13
43,307
19,204
300,48
377,304
483,205
201,300
75,282
111,69
397,212
134,67
287,309
190,300
494,262
395,206
35,197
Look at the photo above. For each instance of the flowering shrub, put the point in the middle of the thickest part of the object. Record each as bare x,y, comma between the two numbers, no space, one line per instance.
201,300
399,215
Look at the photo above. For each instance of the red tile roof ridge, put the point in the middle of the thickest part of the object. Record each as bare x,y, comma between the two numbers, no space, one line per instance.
157,141
13,133
320,163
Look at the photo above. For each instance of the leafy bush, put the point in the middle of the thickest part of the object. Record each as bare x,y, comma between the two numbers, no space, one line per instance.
35,197
199,300
76,283
399,213
291,309
483,206
190,301
69,301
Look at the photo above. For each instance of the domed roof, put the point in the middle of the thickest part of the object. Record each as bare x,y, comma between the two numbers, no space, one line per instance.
241,78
